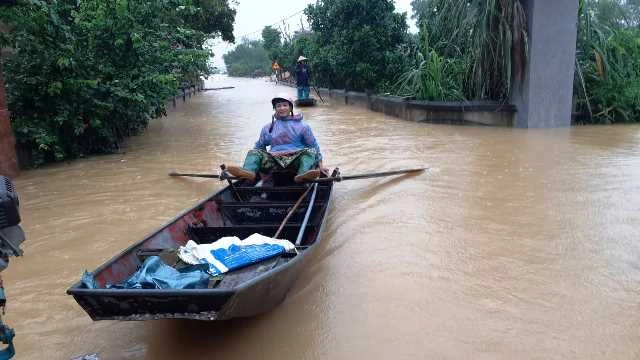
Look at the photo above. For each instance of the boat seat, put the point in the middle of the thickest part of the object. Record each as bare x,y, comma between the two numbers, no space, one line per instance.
209,234
274,194
267,213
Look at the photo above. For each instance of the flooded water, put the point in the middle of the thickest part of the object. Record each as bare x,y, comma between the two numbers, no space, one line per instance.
517,244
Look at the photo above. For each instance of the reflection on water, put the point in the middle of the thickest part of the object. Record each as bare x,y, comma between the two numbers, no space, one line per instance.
517,244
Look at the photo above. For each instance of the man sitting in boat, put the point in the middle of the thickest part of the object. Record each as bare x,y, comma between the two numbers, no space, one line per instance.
292,146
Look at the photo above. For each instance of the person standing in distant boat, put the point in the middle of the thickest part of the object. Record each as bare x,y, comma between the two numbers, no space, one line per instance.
292,143
303,73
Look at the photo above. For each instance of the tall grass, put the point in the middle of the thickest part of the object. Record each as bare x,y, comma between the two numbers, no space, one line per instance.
434,77
607,85
499,48
488,37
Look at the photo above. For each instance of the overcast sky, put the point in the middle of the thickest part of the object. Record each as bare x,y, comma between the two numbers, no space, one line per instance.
253,15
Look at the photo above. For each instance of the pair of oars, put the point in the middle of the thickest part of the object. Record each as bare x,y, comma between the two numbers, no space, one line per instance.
318,180
314,187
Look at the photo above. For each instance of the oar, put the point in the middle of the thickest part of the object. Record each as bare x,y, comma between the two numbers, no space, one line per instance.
306,215
293,209
234,191
318,92
211,176
367,176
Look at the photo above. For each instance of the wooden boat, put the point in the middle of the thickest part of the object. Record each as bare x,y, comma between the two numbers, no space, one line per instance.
305,102
237,210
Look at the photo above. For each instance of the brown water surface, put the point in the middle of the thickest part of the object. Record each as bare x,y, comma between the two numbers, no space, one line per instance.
518,244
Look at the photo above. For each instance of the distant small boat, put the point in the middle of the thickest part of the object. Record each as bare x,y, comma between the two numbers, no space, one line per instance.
305,102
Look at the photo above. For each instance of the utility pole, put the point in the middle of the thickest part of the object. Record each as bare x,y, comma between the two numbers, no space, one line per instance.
8,159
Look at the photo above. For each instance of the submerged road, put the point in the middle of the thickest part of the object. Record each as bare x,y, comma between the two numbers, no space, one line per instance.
518,244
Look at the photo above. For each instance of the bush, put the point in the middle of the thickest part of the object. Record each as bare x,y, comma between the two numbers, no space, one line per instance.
85,74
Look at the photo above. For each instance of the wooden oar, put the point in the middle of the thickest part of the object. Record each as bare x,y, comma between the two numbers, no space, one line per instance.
211,176
293,209
234,191
367,176
318,92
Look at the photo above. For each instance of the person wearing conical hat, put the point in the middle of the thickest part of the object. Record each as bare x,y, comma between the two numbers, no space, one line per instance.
292,145
303,74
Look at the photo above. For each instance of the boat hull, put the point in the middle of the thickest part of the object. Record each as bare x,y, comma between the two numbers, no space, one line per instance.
206,304
305,102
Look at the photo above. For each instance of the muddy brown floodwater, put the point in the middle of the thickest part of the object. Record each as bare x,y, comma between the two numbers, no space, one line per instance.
517,244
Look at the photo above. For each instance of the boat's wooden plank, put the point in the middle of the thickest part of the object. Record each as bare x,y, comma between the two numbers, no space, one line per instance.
245,213
275,194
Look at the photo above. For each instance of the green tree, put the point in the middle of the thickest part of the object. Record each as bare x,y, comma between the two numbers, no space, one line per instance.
248,59
210,17
83,75
354,42
300,43
271,42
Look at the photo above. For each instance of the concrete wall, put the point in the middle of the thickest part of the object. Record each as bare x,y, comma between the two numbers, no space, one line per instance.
468,113
477,113
544,97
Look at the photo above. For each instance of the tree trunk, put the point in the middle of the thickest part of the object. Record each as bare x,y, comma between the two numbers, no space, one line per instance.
8,160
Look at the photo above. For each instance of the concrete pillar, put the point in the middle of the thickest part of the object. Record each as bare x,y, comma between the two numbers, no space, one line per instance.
8,160
544,98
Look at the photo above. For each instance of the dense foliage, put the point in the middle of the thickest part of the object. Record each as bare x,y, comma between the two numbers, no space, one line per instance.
465,50
433,76
300,43
481,42
83,75
607,86
355,41
486,41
